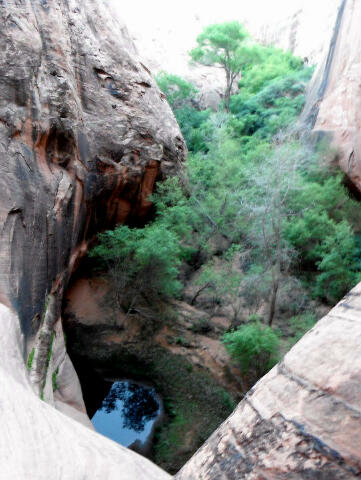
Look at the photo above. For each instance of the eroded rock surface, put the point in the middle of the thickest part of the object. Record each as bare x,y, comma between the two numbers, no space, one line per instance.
84,135
334,101
38,442
303,419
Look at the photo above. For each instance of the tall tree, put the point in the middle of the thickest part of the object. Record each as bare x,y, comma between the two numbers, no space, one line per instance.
221,45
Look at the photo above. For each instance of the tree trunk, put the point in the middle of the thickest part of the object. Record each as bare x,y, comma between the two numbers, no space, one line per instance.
227,94
193,301
272,309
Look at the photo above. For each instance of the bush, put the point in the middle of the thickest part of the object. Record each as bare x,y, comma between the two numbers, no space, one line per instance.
321,232
272,108
270,64
181,96
254,347
300,325
178,91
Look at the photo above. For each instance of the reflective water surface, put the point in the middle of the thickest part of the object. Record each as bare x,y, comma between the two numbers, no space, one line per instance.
128,413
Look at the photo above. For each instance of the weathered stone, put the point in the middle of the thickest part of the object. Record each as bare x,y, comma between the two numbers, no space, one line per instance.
38,442
84,135
303,419
334,100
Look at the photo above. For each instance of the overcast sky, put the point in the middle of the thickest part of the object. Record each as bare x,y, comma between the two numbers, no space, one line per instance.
144,13
165,30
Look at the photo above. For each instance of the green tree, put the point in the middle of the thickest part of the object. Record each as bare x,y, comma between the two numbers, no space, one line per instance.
142,264
181,96
221,45
179,92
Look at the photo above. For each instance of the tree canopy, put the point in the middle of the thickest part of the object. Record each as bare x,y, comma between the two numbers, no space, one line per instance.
222,45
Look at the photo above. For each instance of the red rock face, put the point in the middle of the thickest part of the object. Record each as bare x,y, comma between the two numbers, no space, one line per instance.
84,135
334,101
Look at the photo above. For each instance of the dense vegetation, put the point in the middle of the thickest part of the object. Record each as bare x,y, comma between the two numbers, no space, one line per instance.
259,216
288,223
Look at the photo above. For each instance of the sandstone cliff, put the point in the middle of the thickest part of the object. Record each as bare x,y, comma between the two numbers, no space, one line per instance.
303,419
84,135
334,100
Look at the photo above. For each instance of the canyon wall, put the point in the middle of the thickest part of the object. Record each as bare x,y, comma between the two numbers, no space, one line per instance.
303,419
333,108
84,135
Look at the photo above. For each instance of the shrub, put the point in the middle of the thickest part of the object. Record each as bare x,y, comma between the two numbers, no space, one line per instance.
254,347
193,122
179,92
300,325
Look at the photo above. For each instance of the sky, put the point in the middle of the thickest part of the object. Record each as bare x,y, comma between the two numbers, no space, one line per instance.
164,31
145,13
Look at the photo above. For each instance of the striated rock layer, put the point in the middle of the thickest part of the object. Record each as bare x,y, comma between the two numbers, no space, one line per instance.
303,419
334,101
84,135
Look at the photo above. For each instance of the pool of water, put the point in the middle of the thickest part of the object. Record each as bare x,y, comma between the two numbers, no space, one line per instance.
128,414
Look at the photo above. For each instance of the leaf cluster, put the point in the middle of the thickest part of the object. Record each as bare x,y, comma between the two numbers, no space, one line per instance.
254,347
221,44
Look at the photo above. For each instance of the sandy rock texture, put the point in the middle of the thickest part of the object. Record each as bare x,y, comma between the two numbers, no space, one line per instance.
334,101
38,442
303,419
84,135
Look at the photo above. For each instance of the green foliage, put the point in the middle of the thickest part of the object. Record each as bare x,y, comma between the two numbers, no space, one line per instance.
323,234
145,260
271,108
220,44
54,379
250,185
50,352
174,211
181,96
30,359
195,127
270,64
300,325
179,92
254,347
223,45
336,264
